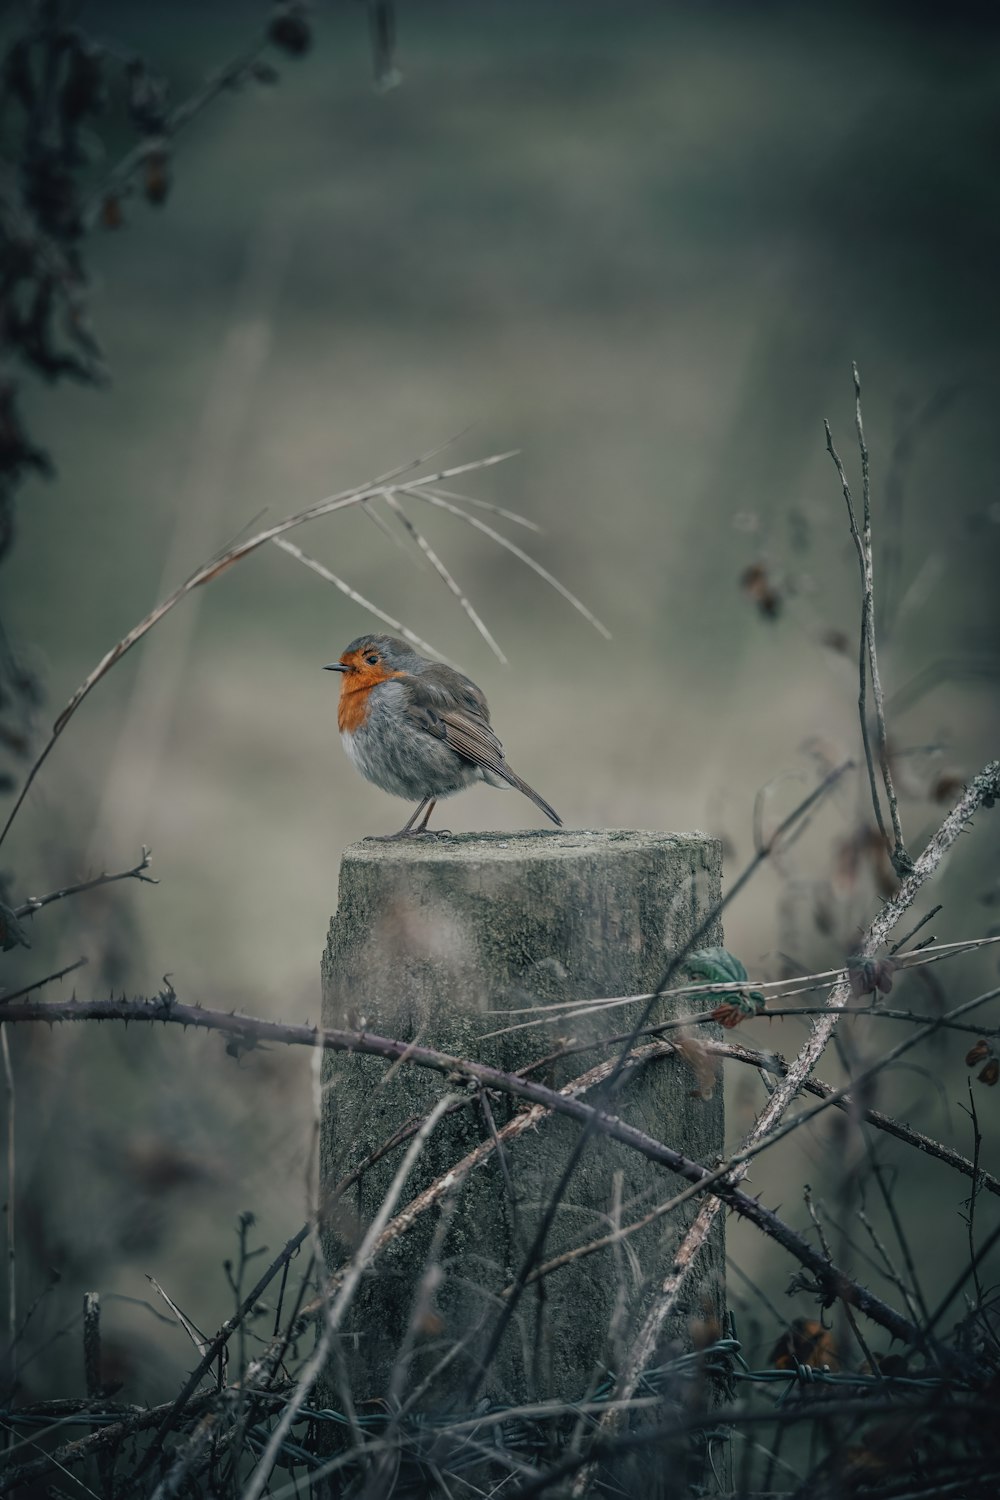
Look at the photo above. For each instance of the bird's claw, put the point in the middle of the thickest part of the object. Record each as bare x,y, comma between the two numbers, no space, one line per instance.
408,833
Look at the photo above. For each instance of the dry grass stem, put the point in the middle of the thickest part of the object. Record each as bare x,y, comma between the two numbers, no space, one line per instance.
9,1204
984,788
137,872
868,655
338,1306
217,565
442,571
436,497
356,598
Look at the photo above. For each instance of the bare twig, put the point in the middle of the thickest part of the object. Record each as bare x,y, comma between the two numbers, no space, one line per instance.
441,570
773,1063
352,594
762,1143
92,1343
979,1180
193,1332
975,1261
221,80
10,1205
35,903
825,1246
789,826
928,917
700,1178
339,1305
438,498
904,1244
38,984
983,790
868,662
170,1414
889,1269
101,1439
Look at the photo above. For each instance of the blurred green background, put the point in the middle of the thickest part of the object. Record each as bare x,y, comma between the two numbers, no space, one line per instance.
641,243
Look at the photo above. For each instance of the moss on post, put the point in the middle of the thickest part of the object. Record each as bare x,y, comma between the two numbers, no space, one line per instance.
445,942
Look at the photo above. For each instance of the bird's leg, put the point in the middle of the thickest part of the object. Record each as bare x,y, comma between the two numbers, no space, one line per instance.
408,828
422,827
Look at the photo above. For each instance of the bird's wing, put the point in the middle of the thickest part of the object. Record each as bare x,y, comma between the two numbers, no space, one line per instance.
455,711
442,702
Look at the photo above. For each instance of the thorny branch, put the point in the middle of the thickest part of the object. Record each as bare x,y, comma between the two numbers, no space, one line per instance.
982,791
459,1070
772,1063
790,826
606,1446
186,1404
100,1440
35,903
339,1303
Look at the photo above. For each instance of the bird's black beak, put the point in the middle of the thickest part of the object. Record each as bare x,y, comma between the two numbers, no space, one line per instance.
336,666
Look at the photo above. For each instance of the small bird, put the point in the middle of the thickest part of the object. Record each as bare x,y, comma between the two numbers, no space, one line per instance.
418,729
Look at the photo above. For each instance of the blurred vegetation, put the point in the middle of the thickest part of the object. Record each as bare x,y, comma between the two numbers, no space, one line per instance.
643,244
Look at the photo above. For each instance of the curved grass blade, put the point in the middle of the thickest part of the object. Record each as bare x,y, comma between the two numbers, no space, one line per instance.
436,497
345,588
442,572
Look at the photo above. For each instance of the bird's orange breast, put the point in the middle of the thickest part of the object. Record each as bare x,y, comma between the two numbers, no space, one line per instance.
355,692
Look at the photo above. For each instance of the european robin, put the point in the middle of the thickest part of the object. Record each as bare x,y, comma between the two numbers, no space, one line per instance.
418,729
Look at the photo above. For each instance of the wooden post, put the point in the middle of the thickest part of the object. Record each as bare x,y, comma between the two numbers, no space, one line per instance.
443,942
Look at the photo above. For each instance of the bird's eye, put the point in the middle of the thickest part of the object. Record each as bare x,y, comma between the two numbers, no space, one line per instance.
372,660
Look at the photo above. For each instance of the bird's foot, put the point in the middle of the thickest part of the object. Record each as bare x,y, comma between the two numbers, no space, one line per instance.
406,833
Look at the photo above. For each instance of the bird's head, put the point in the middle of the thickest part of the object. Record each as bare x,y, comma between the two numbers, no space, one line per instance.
372,659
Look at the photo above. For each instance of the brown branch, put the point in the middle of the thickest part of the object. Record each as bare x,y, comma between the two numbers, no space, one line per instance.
529,1119
166,1008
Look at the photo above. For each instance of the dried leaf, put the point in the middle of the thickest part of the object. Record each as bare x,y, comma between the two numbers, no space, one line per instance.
700,1061
806,1342
756,584
112,216
12,934
719,966
868,975
290,29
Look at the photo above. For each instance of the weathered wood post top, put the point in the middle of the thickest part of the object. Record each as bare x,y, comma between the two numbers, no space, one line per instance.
450,942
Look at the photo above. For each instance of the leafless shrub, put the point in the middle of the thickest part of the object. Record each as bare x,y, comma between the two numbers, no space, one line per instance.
894,1398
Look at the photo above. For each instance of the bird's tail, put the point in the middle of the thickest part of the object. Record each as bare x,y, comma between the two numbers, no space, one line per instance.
529,791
